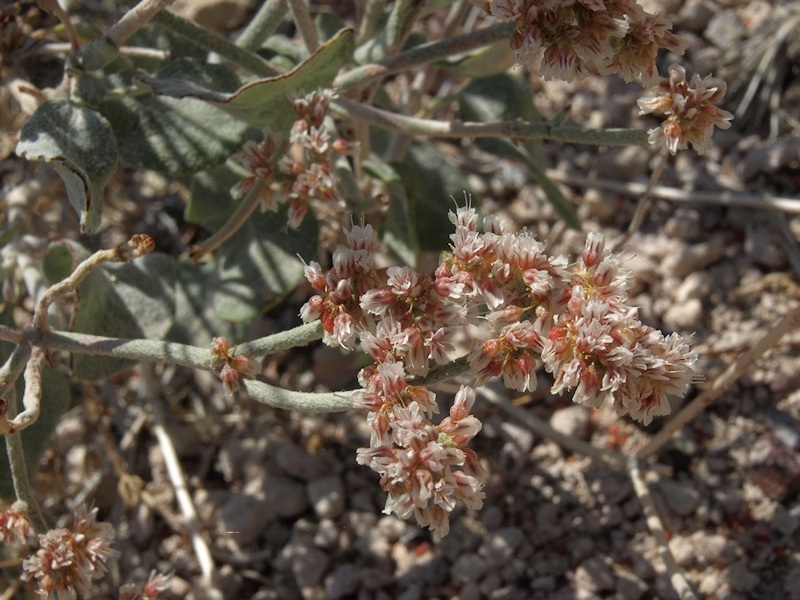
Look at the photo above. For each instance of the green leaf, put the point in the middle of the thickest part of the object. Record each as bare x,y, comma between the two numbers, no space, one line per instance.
506,97
55,402
250,272
178,136
59,262
431,184
211,204
124,300
79,144
484,61
267,103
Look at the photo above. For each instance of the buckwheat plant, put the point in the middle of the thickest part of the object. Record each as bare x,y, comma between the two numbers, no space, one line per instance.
333,123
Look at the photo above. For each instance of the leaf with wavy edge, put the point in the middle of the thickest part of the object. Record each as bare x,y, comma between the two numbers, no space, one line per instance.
267,103
79,144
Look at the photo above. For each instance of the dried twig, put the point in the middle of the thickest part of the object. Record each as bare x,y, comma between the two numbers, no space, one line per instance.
519,415
676,577
150,393
662,192
722,382
137,246
305,24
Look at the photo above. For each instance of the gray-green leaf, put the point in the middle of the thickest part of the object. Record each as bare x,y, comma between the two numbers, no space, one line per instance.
79,143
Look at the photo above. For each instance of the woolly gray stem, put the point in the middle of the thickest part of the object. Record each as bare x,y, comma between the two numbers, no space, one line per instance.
520,130
422,55
19,471
278,342
262,25
202,37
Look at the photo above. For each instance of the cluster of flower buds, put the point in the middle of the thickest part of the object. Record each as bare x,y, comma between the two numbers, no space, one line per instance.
539,310
68,560
403,321
581,36
232,367
690,110
298,172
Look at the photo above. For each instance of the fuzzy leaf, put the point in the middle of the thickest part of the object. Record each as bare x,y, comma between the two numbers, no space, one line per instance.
55,402
432,186
266,103
125,300
178,136
79,144
250,272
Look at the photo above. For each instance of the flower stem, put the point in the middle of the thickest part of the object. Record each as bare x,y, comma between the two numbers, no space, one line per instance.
278,342
519,130
423,54
19,471
262,25
202,37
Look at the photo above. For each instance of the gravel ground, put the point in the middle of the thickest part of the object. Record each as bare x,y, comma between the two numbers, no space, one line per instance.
289,514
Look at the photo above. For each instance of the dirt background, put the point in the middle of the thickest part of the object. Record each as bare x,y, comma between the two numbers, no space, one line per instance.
280,500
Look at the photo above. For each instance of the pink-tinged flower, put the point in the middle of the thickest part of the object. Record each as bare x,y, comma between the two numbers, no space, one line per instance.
571,39
14,527
232,367
258,159
634,55
155,584
67,561
690,109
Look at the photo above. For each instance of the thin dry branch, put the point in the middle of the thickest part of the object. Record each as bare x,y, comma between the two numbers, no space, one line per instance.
788,323
151,395
654,524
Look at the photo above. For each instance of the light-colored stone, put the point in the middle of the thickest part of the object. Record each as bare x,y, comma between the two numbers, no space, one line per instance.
572,421
327,496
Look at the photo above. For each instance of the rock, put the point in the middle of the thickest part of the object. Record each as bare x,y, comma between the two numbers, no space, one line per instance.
679,496
468,568
684,316
572,421
343,581
327,496
520,436
684,224
695,286
784,426
594,575
791,584
500,546
696,14
308,565
682,550
295,461
687,259
629,586
621,164
740,577
608,486
725,29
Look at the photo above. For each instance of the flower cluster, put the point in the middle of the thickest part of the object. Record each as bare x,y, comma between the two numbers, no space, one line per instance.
149,590
573,319
404,321
690,109
68,560
576,37
232,367
14,527
300,172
